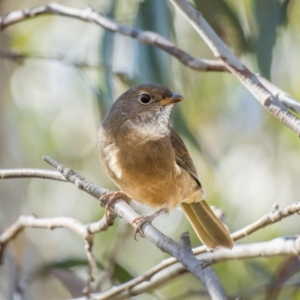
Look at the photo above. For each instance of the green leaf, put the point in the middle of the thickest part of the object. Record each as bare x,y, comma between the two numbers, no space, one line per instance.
269,15
105,99
152,64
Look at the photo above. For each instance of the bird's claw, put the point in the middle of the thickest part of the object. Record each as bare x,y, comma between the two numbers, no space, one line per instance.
140,221
112,198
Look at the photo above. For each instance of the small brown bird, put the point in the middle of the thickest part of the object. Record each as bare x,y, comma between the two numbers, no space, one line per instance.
150,163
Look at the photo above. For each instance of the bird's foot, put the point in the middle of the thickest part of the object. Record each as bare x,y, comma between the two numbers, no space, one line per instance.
112,198
140,221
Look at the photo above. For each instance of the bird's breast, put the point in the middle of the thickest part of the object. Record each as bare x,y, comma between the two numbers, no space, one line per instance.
145,171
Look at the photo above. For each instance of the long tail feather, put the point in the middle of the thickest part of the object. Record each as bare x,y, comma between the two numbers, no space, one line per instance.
207,226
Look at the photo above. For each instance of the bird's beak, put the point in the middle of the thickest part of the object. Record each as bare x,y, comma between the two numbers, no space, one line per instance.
171,100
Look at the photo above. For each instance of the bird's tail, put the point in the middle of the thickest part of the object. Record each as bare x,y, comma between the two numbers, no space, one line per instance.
207,225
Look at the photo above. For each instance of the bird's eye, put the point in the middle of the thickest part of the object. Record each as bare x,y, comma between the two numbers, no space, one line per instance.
145,99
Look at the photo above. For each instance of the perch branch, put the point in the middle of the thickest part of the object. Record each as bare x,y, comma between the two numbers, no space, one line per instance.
200,269
275,215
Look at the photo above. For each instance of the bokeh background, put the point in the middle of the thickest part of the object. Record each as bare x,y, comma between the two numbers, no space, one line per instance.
246,160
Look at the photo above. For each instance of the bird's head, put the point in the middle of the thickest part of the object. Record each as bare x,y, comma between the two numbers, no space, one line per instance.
144,109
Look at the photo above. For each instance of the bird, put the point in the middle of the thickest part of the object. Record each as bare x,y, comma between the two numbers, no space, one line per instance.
150,163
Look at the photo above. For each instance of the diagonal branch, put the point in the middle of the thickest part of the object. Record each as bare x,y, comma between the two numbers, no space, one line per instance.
276,105
169,268
242,73
184,255
89,15
166,266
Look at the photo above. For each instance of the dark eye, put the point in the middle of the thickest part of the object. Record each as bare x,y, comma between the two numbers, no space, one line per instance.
145,99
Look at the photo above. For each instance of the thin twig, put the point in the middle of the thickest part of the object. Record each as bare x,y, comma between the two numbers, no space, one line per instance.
79,181
76,226
31,173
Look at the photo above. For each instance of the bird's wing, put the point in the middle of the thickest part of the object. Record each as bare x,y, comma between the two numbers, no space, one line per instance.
183,158
208,227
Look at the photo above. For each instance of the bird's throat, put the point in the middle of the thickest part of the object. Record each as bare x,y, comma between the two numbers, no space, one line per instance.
149,125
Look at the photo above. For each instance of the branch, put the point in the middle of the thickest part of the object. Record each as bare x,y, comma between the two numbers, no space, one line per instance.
273,216
31,173
242,73
280,246
230,62
167,268
276,247
201,270
86,232
89,15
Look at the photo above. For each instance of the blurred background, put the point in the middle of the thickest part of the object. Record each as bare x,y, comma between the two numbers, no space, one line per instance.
246,160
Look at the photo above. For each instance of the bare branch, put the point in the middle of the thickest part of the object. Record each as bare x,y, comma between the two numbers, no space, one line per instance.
76,226
31,173
279,246
243,74
273,216
276,247
78,180
200,269
230,62
166,270
88,15
272,98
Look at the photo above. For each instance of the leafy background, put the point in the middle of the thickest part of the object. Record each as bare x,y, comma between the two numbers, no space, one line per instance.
246,160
